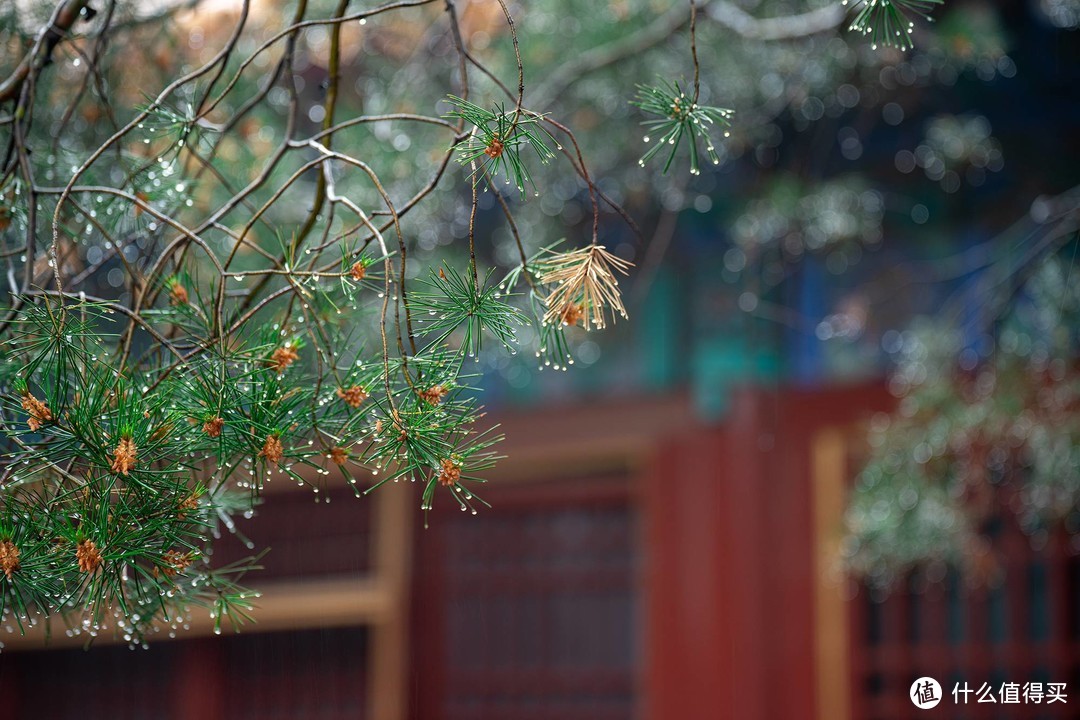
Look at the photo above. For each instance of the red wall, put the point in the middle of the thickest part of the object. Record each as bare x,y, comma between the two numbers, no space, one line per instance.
729,546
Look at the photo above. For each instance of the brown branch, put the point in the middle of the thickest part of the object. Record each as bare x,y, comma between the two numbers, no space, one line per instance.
595,59
63,18
726,14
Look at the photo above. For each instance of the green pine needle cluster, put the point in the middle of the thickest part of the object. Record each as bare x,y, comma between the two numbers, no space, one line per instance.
888,22
104,519
472,308
494,147
122,464
679,118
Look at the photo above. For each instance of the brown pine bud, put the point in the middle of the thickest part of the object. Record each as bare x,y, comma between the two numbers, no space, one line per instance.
9,558
494,148
353,396
38,411
339,455
433,395
358,271
213,427
174,562
191,502
178,294
283,357
124,456
450,473
272,449
88,556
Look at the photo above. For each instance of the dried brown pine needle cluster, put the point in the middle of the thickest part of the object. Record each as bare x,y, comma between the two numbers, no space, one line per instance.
433,395
353,396
38,411
283,357
449,473
88,556
584,282
9,558
124,456
272,449
213,427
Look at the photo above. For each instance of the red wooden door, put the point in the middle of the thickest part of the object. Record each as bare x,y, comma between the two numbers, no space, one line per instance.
531,610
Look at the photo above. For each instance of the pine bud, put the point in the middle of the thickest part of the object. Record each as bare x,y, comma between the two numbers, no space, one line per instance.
353,396
450,473
572,314
38,411
272,449
433,395
191,502
9,558
124,456
178,294
213,427
283,357
494,148
88,556
174,562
